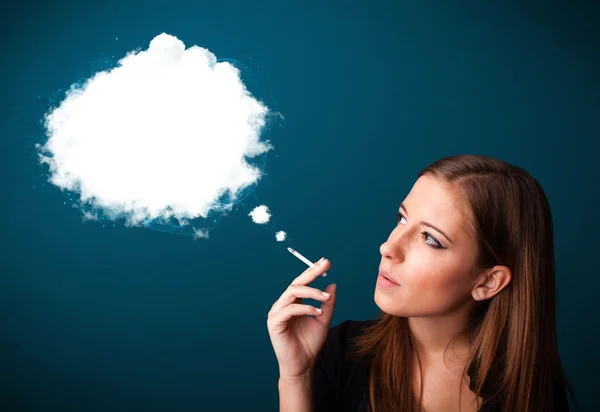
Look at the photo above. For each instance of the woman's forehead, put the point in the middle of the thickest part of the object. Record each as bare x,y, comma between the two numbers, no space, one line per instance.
438,203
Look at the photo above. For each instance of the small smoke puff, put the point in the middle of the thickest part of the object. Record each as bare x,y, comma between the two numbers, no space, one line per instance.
280,236
89,216
260,214
200,234
163,135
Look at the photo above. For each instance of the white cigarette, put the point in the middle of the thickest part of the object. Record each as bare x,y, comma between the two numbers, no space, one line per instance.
302,258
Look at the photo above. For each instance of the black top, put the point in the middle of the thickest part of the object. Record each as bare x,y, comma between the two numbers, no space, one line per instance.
341,384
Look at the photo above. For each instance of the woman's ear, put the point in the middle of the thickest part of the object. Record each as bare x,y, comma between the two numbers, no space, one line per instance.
491,282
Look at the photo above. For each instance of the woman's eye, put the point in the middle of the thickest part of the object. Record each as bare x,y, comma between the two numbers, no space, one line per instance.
434,243
399,216
429,240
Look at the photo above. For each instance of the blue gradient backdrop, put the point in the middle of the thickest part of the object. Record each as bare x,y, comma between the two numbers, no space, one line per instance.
97,318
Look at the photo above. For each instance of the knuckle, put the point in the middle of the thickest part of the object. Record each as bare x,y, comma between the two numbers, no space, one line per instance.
272,309
296,290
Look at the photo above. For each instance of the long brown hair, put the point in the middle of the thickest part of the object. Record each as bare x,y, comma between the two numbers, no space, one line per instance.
513,335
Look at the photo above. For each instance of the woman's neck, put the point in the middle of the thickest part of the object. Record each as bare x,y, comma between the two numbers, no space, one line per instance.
434,335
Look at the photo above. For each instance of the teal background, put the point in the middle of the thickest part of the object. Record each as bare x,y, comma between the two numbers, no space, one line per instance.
97,318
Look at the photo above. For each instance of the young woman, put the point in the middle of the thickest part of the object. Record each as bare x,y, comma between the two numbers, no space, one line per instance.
466,288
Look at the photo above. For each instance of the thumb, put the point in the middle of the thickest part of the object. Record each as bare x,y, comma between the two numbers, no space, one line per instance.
329,306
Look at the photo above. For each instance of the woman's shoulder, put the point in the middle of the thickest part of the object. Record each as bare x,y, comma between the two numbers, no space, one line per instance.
349,328
340,336
339,380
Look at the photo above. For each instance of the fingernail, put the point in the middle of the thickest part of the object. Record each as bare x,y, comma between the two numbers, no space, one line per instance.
325,294
322,262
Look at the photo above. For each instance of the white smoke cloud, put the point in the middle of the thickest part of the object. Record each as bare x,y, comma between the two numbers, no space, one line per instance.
164,134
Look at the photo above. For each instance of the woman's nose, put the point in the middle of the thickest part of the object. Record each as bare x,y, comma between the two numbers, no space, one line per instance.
389,249
392,248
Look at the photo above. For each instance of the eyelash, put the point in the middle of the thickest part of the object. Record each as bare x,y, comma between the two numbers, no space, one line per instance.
435,245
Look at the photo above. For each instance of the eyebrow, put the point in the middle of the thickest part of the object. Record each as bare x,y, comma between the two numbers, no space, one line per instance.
427,224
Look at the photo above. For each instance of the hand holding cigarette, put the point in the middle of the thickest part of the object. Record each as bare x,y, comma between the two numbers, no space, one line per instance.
298,339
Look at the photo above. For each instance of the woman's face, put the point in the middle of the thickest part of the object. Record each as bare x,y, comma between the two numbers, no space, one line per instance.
433,267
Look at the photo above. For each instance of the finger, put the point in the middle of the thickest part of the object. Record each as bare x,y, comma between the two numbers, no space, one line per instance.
329,306
295,293
314,267
311,273
278,322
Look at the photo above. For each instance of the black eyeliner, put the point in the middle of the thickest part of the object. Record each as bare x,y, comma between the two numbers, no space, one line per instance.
438,245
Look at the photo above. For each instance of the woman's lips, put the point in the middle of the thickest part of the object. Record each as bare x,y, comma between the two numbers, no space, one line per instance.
386,275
